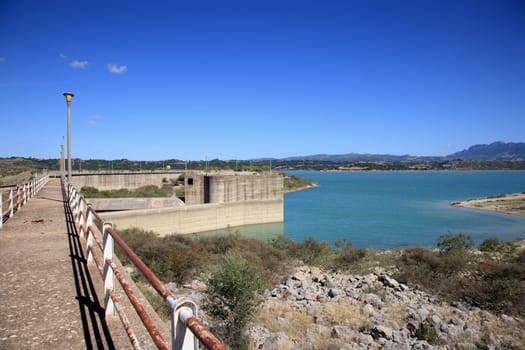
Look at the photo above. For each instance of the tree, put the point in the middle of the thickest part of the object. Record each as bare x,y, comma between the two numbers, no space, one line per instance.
232,289
454,243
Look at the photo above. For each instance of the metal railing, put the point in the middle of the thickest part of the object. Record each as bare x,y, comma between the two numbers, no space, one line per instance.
186,330
17,196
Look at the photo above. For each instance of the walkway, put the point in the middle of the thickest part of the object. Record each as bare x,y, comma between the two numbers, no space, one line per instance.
48,299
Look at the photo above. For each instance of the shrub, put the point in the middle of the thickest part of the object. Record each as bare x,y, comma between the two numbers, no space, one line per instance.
232,290
347,254
494,245
454,243
312,252
432,270
428,333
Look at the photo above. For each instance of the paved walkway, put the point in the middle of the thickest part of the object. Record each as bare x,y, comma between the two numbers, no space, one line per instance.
48,299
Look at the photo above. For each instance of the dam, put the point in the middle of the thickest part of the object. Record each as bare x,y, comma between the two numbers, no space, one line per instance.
212,200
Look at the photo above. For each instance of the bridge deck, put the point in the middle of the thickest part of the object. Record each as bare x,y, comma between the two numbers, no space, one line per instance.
48,299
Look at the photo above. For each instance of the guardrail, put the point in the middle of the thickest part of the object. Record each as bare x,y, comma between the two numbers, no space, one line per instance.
18,196
186,330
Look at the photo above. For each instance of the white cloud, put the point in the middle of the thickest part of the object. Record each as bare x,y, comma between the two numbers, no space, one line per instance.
94,120
2,59
79,64
114,69
62,56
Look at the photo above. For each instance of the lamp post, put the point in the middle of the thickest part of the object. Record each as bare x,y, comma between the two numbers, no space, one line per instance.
69,97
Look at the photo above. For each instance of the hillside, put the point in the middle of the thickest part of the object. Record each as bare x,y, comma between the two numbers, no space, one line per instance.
494,151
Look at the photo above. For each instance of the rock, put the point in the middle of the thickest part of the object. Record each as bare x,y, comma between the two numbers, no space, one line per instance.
434,320
365,340
388,281
341,332
258,336
381,332
334,292
276,341
315,274
465,346
412,326
299,276
403,287
372,299
327,282
172,287
507,319
368,310
422,313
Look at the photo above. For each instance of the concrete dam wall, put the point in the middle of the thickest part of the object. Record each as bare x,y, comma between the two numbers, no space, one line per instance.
129,180
200,217
213,200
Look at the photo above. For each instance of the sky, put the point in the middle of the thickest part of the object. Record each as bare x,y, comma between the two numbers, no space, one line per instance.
197,80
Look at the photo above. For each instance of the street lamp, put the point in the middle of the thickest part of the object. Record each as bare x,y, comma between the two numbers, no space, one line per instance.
69,97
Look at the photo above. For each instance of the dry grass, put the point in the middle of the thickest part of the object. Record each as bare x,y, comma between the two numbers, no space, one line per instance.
513,337
302,322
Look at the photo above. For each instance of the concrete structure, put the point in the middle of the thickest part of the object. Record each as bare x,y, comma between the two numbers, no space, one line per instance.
200,217
232,187
117,204
213,201
130,180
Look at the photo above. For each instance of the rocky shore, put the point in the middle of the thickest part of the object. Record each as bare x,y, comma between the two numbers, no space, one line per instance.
513,203
315,309
329,310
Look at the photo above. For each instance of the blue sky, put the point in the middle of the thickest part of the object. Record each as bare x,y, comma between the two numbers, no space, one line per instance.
248,79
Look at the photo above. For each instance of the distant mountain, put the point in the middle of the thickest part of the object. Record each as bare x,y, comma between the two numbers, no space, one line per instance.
494,151
354,157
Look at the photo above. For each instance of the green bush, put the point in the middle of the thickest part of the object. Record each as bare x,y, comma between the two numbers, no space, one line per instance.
494,245
428,333
232,290
142,192
454,243
312,252
347,254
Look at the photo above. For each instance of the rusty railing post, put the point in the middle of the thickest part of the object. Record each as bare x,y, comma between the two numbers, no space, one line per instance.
18,204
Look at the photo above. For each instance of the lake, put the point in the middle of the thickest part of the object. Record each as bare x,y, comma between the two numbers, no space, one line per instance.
393,209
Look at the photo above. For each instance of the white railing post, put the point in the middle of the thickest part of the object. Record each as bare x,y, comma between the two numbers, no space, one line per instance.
1,210
109,275
181,336
90,236
11,204
82,218
24,195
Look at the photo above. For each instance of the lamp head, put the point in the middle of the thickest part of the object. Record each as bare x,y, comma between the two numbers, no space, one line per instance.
68,96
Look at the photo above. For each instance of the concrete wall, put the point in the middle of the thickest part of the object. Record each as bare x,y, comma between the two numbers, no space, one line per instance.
114,181
199,218
232,187
106,204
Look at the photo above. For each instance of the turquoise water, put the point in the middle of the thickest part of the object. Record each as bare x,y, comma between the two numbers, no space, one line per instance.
394,209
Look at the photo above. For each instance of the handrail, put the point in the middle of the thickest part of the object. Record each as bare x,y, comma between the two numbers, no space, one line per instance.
183,310
19,195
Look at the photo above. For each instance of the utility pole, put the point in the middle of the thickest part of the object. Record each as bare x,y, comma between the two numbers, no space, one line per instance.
69,97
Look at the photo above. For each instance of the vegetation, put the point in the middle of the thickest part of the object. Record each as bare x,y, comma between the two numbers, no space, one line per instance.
145,191
233,288
17,165
294,183
237,269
